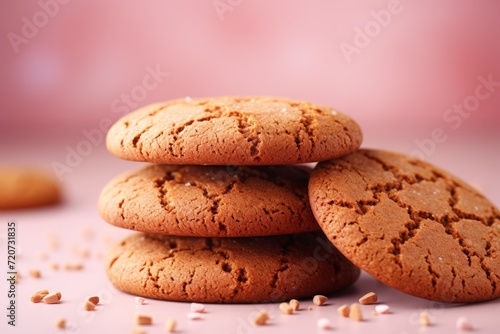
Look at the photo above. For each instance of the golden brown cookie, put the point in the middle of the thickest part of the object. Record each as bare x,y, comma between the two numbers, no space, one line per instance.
22,187
233,131
210,201
409,224
228,270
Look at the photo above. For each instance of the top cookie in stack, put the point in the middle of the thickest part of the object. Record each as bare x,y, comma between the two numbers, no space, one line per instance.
225,219
233,131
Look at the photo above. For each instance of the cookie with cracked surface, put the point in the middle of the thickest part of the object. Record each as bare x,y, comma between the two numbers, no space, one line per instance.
233,131
26,187
210,201
410,224
228,270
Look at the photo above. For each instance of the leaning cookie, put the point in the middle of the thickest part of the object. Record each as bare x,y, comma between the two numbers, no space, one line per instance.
228,270
23,187
210,201
409,224
233,131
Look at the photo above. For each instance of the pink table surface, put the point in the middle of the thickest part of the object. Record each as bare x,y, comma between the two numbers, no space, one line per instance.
76,225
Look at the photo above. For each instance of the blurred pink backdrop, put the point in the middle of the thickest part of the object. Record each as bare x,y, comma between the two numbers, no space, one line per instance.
426,57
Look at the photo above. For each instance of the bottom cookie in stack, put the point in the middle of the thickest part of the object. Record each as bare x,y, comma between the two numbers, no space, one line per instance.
228,270
242,235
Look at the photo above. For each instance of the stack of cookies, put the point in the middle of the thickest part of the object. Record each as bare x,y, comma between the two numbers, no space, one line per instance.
223,210
227,215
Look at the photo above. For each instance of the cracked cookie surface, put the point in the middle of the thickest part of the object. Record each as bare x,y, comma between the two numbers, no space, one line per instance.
210,201
410,224
228,270
233,131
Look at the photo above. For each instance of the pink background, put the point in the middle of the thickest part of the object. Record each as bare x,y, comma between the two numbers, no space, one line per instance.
426,59
72,74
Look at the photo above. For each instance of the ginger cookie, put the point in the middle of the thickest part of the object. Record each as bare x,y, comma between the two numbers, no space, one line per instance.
233,131
23,187
228,270
210,201
409,224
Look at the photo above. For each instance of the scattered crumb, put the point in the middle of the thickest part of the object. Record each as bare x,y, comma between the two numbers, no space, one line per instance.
369,298
93,299
52,298
139,300
52,241
310,308
85,253
170,325
463,324
87,233
54,266
382,309
88,306
295,304
140,319
35,273
73,266
344,310
42,256
319,300
38,296
355,312
197,307
323,323
60,323
194,316
424,319
261,318
286,308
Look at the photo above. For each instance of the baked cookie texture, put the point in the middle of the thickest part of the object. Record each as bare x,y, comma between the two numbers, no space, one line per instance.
210,201
409,224
233,131
27,187
228,270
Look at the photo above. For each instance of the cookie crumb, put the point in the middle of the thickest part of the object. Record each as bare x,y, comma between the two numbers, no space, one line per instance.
88,306
170,325
295,304
87,233
286,308
54,266
141,319
35,273
93,299
261,318
344,310
194,316
73,266
319,300
52,298
42,256
369,298
424,319
355,312
197,307
382,309
463,324
310,308
139,300
323,323
38,296
60,323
